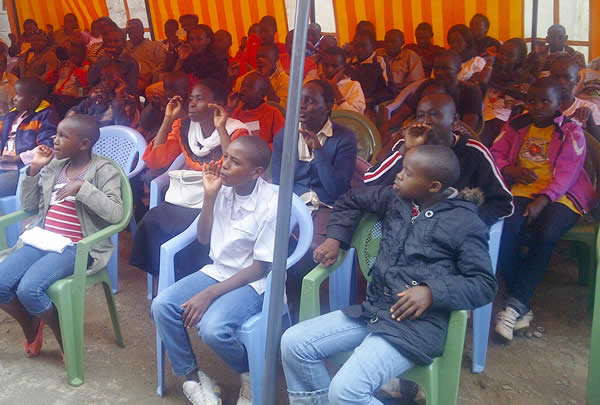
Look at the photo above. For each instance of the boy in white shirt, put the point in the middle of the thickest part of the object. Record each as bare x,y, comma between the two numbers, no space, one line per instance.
565,71
238,219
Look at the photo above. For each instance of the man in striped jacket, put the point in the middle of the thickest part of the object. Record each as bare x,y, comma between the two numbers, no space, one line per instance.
477,166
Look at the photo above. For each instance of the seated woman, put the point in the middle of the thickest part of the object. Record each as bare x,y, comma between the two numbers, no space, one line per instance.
201,130
461,41
326,158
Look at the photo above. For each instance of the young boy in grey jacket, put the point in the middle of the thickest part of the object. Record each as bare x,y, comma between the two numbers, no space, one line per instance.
75,194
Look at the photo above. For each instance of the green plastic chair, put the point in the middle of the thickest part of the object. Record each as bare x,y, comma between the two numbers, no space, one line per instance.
584,233
68,294
369,141
593,388
439,380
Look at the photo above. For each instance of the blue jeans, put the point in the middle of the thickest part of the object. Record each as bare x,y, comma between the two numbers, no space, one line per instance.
28,272
305,346
217,328
522,272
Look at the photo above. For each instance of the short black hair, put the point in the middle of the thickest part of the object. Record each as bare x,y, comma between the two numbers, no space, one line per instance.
441,164
464,32
557,27
547,83
272,48
397,32
484,17
521,46
269,20
186,16
171,21
565,57
328,94
85,127
29,21
33,87
453,56
424,26
259,152
207,30
336,51
216,88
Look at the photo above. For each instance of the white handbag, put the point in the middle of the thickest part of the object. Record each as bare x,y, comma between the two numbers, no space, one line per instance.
185,188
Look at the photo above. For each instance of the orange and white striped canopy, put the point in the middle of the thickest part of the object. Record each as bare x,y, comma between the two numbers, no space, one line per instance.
53,11
235,16
506,16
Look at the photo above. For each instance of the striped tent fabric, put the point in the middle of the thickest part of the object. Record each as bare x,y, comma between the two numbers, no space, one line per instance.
506,16
52,11
235,16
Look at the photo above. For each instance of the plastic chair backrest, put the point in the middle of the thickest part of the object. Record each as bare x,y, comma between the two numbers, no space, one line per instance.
278,106
301,217
369,141
124,145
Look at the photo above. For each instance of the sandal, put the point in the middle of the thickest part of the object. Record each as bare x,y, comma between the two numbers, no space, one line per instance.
34,348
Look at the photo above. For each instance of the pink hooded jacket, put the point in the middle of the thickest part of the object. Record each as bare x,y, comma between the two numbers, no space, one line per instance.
566,152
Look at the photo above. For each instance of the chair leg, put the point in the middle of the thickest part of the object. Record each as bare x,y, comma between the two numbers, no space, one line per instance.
160,366
256,361
593,388
71,326
431,389
114,316
113,264
150,287
482,318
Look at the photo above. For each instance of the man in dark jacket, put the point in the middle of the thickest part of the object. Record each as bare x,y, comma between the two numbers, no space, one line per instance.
433,259
477,167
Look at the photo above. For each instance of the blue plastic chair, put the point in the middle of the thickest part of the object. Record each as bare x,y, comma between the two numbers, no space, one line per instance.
482,317
253,333
10,204
126,147
343,280
157,188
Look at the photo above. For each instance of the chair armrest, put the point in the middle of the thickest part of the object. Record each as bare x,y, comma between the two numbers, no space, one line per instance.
138,168
84,245
14,217
310,300
169,249
156,187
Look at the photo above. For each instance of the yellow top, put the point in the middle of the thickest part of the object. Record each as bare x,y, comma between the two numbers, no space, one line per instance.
534,155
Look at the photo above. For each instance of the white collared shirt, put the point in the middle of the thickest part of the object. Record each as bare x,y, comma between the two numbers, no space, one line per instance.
304,153
243,231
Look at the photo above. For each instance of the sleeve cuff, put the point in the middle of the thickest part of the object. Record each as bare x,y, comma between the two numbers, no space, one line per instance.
439,293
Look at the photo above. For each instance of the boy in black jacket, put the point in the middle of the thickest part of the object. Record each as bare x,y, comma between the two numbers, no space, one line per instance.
477,167
433,259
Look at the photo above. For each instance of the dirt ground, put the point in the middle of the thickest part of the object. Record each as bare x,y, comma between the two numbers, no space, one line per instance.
551,369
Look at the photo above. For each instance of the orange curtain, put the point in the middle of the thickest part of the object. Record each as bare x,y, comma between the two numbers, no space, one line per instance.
506,16
52,11
595,29
235,16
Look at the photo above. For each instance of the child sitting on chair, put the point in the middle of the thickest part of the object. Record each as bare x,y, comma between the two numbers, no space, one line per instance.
238,220
75,194
249,106
541,154
31,122
433,260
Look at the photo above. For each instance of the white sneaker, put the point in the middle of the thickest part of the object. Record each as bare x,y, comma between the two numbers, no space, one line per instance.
245,397
524,321
204,392
505,323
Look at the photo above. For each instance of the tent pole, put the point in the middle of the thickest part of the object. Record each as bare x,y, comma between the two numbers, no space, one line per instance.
534,23
284,205
313,16
150,25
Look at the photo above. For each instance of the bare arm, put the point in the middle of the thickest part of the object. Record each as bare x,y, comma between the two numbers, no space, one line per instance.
212,183
173,111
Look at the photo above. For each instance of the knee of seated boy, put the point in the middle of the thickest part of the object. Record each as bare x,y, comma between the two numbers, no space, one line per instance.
341,392
291,342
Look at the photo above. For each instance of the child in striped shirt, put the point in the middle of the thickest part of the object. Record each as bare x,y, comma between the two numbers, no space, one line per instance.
75,194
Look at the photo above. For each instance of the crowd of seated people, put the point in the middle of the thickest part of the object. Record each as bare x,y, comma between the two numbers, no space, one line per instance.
187,94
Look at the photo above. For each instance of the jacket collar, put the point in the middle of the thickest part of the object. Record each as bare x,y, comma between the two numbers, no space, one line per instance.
525,120
252,201
41,107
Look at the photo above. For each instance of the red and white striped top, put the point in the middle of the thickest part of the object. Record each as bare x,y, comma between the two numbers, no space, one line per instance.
62,219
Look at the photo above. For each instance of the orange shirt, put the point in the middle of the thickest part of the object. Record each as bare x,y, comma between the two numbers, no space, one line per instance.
264,121
163,155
